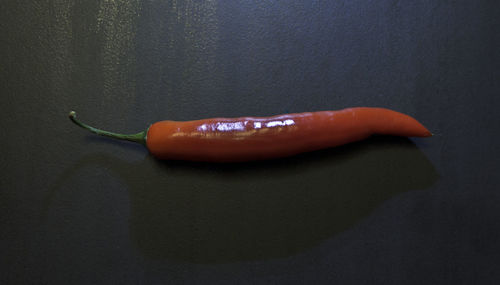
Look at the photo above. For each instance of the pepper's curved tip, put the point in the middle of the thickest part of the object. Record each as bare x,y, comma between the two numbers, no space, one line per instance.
72,114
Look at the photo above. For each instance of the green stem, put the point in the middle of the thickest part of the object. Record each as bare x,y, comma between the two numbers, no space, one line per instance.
138,138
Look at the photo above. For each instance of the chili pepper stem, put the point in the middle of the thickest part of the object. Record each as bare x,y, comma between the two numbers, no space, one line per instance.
137,138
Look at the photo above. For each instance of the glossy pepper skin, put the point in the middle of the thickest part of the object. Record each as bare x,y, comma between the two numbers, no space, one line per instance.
258,138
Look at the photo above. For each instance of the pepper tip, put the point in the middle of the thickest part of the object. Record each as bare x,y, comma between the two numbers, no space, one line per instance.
72,114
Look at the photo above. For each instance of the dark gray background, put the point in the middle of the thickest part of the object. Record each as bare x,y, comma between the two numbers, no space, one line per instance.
79,209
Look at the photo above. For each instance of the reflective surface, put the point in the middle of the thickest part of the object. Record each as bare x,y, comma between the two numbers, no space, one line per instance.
76,209
243,125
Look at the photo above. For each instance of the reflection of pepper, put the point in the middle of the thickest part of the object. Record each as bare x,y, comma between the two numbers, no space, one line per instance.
258,138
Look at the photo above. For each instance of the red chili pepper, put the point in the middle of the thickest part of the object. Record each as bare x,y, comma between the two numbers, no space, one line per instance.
258,138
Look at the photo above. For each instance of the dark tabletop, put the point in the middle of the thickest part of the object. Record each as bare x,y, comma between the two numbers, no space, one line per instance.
80,209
